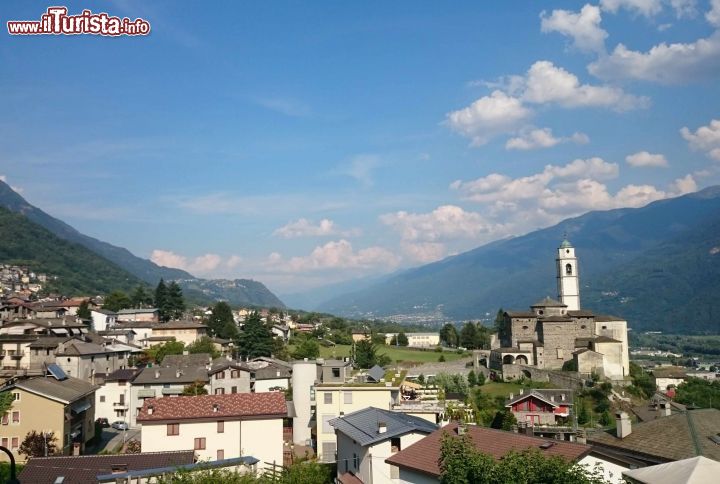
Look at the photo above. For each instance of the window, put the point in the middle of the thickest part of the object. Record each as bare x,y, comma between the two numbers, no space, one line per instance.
200,443
122,383
328,451
220,454
326,427
356,461
5,419
173,429
16,397
525,327
220,375
328,398
336,372
560,353
4,441
347,397
235,374
568,269
233,389
220,426
583,327
15,444
219,391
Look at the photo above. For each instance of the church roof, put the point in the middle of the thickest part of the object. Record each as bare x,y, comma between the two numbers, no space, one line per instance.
581,313
565,244
521,314
548,302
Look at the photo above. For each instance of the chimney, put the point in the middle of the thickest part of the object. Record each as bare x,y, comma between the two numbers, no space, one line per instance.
522,391
461,429
178,373
511,396
277,373
382,427
552,398
186,352
581,437
664,409
157,374
562,397
216,407
624,427
150,409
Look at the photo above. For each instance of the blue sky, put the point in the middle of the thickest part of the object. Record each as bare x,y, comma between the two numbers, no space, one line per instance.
302,144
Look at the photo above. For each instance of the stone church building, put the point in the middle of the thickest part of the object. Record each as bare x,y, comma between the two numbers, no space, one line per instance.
554,332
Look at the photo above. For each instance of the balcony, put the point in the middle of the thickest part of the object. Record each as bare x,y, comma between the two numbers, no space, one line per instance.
120,405
146,393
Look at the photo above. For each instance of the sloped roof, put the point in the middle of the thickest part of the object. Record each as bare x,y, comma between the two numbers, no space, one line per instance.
423,456
548,302
122,374
521,314
82,469
234,405
678,436
180,325
552,396
669,372
137,311
377,372
183,361
362,425
65,391
696,470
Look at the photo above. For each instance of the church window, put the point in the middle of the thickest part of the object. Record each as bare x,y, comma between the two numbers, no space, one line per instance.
525,327
567,251
540,311
568,269
583,327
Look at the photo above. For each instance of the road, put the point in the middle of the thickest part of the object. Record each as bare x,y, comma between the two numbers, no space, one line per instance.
111,438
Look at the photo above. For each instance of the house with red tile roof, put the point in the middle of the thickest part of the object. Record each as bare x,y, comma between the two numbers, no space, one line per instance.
217,427
419,463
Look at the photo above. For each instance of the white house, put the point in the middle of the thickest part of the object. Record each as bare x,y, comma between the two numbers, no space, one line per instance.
366,437
102,319
112,398
217,426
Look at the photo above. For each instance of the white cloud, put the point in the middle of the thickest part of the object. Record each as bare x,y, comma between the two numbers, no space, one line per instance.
684,185
424,252
234,261
664,63
201,265
705,138
16,189
530,139
361,169
337,255
684,8
647,8
645,159
489,116
303,227
446,222
546,83
583,27
713,15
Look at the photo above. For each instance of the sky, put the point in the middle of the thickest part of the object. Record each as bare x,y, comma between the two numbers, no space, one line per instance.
302,144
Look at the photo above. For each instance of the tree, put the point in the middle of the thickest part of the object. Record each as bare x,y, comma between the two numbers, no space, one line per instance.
469,335
698,392
140,298
203,345
441,359
366,355
583,416
504,420
221,321
6,401
449,335
175,301
605,418
472,379
421,379
161,300
195,388
308,348
159,352
500,323
83,311
38,444
480,377
116,300
402,339
256,339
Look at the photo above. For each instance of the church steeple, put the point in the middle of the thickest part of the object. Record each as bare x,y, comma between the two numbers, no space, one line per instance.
567,276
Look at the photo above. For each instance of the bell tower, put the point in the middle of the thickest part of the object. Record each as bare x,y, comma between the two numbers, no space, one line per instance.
568,282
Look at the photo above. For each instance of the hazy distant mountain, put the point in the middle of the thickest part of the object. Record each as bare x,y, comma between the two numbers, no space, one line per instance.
310,299
142,268
658,265
132,269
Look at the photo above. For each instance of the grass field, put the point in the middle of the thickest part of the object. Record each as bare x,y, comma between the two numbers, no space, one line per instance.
395,353
494,389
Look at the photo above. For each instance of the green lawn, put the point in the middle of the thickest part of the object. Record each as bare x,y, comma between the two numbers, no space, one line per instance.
395,353
494,389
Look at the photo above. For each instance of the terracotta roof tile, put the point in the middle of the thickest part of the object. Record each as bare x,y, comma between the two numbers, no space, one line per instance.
234,405
423,455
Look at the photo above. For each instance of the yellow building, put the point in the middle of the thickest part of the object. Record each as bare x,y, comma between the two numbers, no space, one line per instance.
184,331
54,403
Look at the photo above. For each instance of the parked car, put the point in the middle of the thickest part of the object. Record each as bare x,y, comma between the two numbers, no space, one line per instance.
120,425
103,422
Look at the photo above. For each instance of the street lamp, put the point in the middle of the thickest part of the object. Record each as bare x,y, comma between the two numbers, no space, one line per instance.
13,476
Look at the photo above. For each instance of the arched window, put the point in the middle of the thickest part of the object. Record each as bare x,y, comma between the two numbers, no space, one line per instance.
568,269
525,327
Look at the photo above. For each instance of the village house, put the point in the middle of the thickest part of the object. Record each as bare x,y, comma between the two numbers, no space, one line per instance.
367,434
668,377
48,327
148,315
142,329
416,340
419,463
269,374
85,360
102,319
541,407
186,332
227,376
112,398
217,427
53,403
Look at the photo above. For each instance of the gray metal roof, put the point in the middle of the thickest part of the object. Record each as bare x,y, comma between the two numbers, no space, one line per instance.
66,391
362,426
170,375
377,372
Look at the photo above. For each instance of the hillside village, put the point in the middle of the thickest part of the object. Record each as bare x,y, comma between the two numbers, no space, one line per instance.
102,381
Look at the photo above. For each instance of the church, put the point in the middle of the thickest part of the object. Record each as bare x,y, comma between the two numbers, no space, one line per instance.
557,333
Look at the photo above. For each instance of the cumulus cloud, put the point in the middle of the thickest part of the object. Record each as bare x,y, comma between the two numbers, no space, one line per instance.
705,138
488,116
506,109
645,159
583,27
647,8
530,139
303,227
203,264
713,15
338,254
443,223
675,63
684,185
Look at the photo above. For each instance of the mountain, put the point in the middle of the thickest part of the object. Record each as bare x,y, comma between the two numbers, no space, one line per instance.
658,266
312,298
237,292
79,271
141,268
133,270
